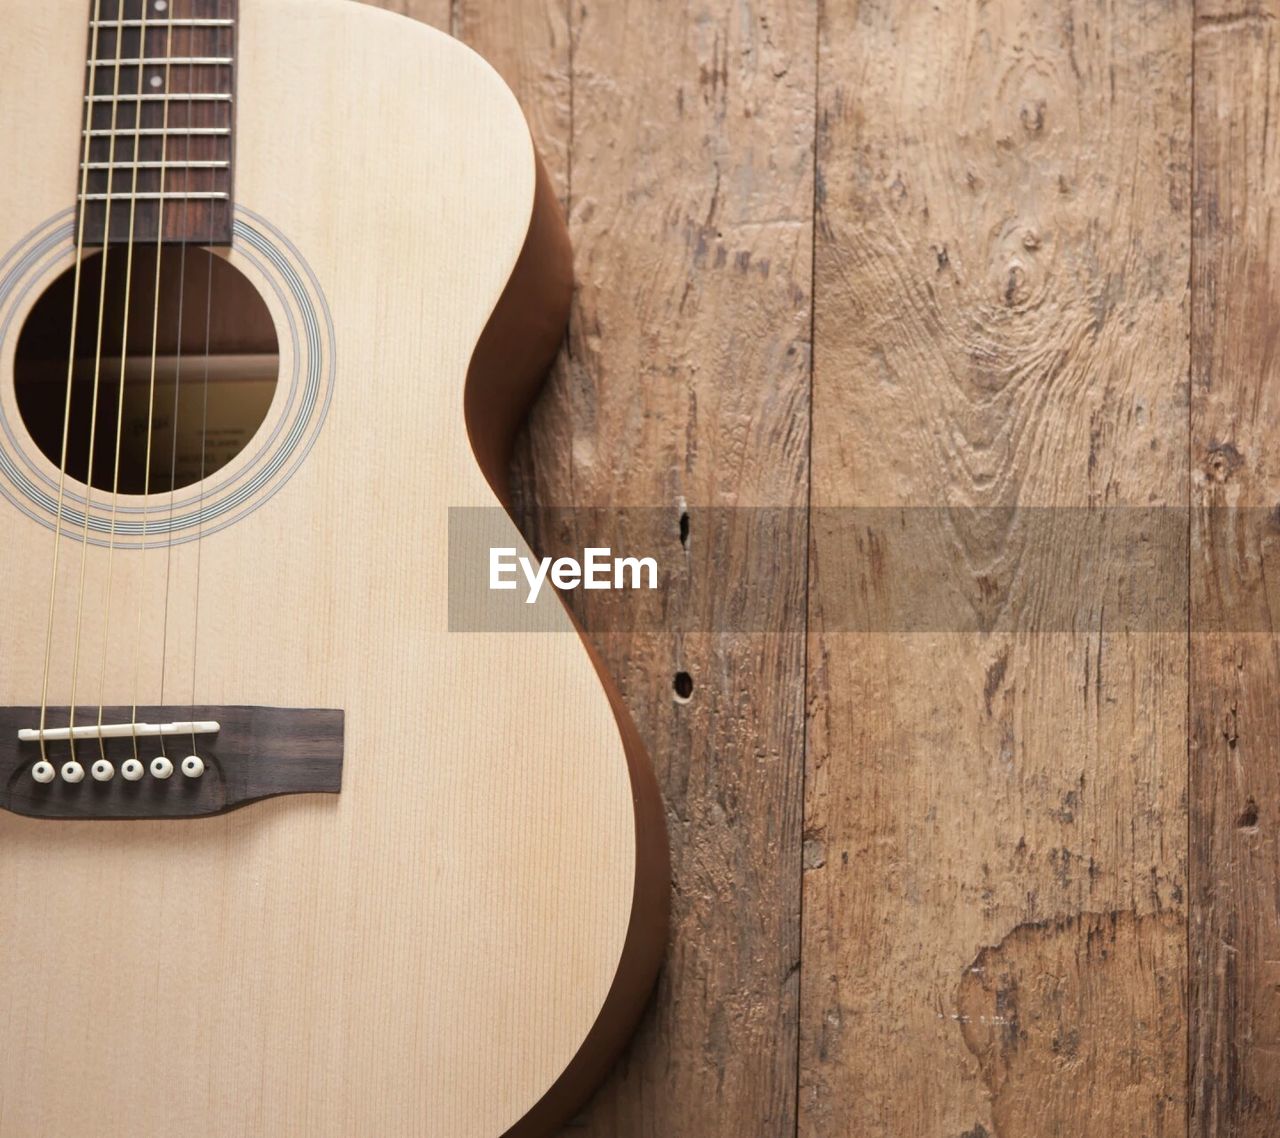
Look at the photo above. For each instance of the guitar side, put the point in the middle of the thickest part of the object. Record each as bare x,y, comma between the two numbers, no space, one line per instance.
458,943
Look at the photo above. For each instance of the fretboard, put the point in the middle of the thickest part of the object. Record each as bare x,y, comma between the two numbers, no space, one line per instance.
160,110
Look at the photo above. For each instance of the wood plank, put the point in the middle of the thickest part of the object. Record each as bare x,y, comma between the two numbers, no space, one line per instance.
996,821
683,152
1235,670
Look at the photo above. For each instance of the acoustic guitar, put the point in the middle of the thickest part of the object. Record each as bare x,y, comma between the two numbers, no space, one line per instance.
281,855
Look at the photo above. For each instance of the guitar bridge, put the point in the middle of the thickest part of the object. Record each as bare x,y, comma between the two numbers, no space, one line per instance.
147,763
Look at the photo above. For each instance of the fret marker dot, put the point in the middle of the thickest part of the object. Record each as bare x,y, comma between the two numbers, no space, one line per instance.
156,81
161,5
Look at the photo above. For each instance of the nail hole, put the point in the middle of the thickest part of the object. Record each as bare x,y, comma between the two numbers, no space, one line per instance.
684,528
683,687
1248,816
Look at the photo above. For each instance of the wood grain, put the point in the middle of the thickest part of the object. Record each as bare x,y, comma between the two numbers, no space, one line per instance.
1235,669
996,822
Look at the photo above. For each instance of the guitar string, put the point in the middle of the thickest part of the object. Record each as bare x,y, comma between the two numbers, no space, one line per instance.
204,434
204,425
177,381
124,355
95,38
151,396
97,361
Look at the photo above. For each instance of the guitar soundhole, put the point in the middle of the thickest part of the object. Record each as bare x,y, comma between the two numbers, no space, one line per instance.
205,390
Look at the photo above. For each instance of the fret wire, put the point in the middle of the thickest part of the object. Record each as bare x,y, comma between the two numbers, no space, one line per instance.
166,97
207,195
129,131
174,164
177,23
161,60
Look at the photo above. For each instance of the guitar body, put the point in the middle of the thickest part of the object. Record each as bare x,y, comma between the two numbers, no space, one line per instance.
456,944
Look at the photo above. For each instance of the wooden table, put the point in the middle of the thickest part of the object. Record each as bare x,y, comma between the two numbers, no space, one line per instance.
1009,881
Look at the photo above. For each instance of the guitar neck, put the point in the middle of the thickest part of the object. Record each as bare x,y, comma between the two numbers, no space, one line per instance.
159,162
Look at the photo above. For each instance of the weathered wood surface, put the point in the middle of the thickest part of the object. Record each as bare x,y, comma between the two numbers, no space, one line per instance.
995,876
997,893
1235,672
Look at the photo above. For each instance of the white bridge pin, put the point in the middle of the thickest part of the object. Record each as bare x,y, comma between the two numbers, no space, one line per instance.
43,773
72,772
102,771
193,766
132,770
161,767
